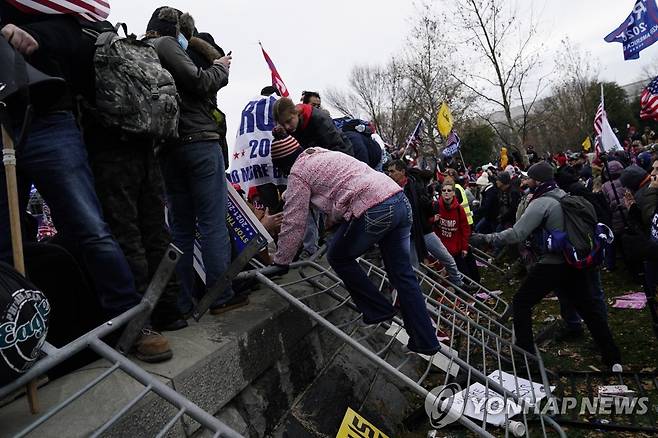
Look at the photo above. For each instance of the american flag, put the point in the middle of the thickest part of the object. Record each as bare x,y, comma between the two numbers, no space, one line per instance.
414,138
276,78
90,10
598,125
649,101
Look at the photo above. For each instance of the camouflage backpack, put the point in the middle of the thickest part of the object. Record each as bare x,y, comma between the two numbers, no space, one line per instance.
133,91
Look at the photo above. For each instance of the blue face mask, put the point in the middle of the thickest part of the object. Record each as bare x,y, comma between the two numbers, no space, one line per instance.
182,41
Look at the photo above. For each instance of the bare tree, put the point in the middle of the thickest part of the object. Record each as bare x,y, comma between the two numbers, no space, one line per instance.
502,70
568,112
379,95
429,67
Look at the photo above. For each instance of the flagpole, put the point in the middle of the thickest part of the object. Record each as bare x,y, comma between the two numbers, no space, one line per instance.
604,157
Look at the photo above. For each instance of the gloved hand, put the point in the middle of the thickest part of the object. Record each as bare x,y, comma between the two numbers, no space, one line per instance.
478,240
277,270
279,132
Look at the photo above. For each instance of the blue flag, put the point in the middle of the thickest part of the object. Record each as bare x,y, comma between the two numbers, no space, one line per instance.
452,144
639,31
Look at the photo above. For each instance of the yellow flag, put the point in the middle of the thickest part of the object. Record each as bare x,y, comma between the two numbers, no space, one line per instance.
444,120
354,426
587,144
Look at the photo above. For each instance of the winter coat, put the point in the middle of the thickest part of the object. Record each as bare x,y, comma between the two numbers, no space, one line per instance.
421,209
340,186
365,149
508,202
616,203
489,206
63,52
451,225
196,87
316,128
568,180
636,180
542,215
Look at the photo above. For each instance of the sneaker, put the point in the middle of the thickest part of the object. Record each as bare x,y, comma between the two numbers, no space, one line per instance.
152,347
238,300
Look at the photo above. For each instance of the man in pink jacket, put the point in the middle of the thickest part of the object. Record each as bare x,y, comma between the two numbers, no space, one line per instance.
372,209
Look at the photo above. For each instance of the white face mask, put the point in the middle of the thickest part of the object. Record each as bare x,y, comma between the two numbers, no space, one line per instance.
182,41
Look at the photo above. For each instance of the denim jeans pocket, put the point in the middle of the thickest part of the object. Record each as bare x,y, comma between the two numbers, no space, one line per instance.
378,219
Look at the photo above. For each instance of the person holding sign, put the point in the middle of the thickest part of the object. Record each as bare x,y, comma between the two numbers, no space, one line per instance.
373,209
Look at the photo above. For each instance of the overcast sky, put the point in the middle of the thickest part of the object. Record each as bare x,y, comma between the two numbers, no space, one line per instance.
314,44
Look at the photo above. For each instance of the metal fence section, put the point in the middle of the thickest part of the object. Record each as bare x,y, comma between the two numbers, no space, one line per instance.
92,340
477,354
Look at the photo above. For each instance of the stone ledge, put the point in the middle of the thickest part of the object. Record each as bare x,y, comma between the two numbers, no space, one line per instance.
214,360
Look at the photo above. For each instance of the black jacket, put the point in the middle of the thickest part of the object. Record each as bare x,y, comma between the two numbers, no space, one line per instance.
569,181
421,208
489,207
508,203
365,149
321,131
196,87
63,52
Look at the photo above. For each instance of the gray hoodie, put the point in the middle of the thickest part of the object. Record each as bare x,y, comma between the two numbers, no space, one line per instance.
544,212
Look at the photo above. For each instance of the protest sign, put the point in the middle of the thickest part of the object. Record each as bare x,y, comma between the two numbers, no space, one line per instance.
250,159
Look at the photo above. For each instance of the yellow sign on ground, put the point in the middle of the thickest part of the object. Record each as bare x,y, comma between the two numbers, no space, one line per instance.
355,426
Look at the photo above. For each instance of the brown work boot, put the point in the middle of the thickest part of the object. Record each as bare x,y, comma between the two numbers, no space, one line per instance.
152,347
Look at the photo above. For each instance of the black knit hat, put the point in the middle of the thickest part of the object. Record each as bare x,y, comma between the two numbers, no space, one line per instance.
541,172
164,21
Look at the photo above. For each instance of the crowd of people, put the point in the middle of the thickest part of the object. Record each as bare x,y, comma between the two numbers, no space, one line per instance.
106,187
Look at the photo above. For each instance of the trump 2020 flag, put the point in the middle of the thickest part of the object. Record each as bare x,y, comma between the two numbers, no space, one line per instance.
452,144
638,31
276,78
250,158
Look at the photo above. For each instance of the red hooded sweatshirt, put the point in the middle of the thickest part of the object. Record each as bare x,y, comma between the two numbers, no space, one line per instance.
451,225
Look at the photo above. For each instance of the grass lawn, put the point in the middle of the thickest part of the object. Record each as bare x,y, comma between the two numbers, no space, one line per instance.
631,329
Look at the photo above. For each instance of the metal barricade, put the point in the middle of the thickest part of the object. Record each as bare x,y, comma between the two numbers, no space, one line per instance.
133,318
477,352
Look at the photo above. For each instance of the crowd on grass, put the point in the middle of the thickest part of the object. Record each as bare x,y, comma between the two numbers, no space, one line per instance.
105,189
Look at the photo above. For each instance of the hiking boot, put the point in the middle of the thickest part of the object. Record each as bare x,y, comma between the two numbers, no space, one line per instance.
238,300
152,347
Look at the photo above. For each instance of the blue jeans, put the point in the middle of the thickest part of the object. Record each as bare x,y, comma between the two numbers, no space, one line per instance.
389,224
195,186
567,310
437,249
312,234
54,159
485,226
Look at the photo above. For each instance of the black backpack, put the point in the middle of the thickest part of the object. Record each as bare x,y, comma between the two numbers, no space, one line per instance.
578,242
24,316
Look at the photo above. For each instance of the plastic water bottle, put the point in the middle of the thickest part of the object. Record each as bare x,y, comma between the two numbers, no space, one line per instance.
516,427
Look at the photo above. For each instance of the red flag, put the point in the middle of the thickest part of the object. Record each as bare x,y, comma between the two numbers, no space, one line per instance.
90,10
276,79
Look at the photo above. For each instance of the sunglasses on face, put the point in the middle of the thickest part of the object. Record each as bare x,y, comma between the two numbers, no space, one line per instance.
446,190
